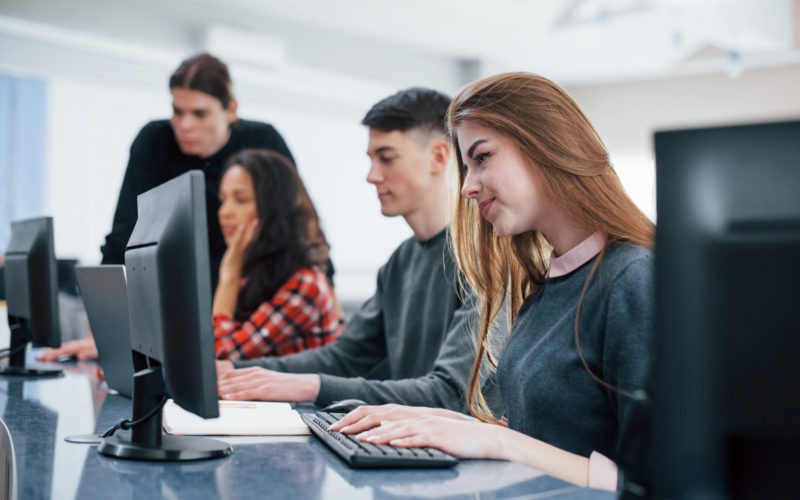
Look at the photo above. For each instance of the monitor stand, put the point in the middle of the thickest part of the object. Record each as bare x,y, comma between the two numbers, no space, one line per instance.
20,335
147,442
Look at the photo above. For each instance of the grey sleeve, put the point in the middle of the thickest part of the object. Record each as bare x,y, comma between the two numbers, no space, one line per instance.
360,348
444,386
628,351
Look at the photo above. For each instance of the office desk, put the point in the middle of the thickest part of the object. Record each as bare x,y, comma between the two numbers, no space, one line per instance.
40,413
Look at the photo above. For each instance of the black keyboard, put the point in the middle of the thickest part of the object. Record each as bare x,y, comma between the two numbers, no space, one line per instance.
361,454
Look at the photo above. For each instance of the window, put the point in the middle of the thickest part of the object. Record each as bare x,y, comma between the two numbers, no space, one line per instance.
22,151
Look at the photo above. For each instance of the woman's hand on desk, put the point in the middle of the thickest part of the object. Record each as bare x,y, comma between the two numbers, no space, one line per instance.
82,350
260,384
367,417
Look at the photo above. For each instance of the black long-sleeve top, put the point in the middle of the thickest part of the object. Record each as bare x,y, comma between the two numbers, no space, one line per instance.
156,158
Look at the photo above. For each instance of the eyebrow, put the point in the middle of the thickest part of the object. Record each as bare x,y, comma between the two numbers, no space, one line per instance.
475,144
190,110
235,191
380,150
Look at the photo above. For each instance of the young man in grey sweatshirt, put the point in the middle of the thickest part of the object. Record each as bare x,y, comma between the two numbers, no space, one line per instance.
419,322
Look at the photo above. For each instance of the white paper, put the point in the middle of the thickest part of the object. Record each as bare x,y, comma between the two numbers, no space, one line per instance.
236,418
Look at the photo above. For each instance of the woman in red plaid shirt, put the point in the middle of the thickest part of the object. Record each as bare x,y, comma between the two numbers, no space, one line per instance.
273,297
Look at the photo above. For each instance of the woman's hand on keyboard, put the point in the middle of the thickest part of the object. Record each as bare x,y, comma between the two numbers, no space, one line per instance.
462,438
367,417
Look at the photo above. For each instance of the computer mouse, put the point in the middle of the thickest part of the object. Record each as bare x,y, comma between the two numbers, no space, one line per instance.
66,358
343,406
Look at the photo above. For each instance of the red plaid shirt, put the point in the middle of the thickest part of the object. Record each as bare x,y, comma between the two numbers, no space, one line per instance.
300,316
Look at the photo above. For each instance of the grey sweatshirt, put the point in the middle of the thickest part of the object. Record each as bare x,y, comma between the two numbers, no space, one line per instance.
547,392
416,322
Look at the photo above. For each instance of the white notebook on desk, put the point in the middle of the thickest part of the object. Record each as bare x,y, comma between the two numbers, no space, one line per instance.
236,418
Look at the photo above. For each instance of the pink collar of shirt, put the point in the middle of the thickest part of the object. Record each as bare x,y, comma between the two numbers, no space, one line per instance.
579,255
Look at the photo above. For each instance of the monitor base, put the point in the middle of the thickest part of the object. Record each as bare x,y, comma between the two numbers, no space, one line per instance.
17,371
172,448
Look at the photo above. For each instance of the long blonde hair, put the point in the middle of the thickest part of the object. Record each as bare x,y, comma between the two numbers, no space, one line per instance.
557,138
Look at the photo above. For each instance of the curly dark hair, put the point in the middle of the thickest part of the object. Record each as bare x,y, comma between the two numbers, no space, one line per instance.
289,223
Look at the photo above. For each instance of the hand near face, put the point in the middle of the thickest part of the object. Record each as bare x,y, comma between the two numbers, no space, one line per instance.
239,242
260,384
238,220
367,417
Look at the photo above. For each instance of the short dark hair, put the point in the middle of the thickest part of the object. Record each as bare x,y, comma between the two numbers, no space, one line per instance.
408,109
204,73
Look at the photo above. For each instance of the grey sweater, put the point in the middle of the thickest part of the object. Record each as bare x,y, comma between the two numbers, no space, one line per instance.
548,393
416,322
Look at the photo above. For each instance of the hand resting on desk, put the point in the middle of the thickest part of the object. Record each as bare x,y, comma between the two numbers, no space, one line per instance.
260,384
223,367
82,350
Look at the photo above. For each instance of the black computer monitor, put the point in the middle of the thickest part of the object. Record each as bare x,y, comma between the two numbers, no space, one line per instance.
31,279
169,303
727,376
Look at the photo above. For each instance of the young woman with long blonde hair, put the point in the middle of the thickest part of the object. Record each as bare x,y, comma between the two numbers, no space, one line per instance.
543,226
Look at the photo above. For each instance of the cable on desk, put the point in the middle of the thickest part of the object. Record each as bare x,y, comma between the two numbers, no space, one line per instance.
7,352
126,424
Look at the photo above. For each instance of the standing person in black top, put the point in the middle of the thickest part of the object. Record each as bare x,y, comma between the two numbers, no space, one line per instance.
202,134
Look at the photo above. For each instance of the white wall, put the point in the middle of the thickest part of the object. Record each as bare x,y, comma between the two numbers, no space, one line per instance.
627,114
107,64
88,151
103,88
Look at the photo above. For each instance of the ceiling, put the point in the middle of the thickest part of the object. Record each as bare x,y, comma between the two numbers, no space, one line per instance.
573,41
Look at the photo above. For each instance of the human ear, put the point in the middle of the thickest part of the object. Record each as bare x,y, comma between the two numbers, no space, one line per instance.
441,156
230,111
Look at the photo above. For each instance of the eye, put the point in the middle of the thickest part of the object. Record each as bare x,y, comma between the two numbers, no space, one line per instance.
200,114
243,199
480,158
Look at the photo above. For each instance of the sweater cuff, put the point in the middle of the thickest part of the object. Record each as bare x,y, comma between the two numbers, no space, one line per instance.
602,472
330,389
263,362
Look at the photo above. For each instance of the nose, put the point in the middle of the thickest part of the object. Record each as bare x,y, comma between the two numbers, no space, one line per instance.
184,121
224,211
471,186
375,175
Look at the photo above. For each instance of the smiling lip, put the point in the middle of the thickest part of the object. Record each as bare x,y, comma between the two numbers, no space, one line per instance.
484,207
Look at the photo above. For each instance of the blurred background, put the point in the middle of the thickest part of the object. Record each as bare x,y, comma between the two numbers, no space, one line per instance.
78,80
